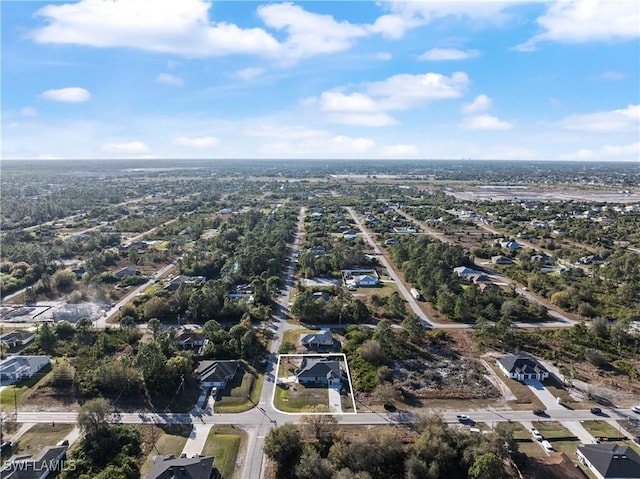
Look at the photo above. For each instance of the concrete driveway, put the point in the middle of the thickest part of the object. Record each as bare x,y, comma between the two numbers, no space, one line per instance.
335,405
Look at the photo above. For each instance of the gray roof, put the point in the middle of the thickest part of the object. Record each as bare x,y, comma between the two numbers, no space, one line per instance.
170,467
20,364
28,467
520,363
612,460
319,367
217,371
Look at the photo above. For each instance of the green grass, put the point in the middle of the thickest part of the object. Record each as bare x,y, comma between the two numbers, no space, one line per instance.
39,436
520,433
241,394
166,444
601,429
13,393
293,335
223,443
301,399
552,430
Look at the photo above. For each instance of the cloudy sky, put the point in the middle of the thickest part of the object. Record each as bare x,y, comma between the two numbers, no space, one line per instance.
327,79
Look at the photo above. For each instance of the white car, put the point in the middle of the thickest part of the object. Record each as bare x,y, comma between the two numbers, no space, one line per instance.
636,409
539,437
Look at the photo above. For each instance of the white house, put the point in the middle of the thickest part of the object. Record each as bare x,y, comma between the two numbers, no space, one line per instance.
521,367
319,339
610,461
15,368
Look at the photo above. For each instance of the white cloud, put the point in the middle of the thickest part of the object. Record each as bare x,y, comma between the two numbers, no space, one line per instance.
631,151
581,21
444,54
28,111
168,26
309,33
135,146
404,91
384,56
480,104
362,119
283,132
394,26
340,146
47,156
196,142
67,95
338,101
484,122
400,150
249,73
168,79
623,120
612,76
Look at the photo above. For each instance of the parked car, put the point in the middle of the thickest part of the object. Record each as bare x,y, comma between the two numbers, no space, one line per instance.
636,409
636,439
547,446
596,410
389,407
536,434
464,418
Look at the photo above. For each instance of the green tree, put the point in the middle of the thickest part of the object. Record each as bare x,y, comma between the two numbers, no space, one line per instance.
94,415
283,444
487,466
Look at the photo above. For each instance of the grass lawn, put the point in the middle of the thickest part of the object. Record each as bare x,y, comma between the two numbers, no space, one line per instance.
166,444
526,399
39,436
297,398
293,335
602,429
560,437
13,393
235,397
224,443
520,433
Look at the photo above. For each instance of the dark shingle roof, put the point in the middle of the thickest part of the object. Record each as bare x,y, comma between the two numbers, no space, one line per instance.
27,467
170,467
519,363
319,367
216,371
612,460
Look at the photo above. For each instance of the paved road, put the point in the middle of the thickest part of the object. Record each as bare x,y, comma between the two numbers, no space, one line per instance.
428,323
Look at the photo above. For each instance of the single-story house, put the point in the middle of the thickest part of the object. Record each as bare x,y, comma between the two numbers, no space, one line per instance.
318,250
16,338
216,374
349,234
174,283
171,467
509,244
20,367
392,241
500,259
190,339
364,280
521,367
323,295
126,271
319,339
464,272
320,371
483,286
49,461
610,461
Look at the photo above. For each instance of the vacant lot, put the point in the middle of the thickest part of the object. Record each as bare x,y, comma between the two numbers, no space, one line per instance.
224,443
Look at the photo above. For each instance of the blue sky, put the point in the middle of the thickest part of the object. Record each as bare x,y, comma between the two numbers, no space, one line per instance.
506,80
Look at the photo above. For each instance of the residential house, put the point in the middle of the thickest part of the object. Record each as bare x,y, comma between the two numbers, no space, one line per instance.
322,295
465,273
73,312
318,250
321,371
521,367
175,282
404,229
509,244
610,461
392,241
49,462
190,340
17,338
126,271
500,259
322,338
20,367
171,467
483,286
216,374
349,234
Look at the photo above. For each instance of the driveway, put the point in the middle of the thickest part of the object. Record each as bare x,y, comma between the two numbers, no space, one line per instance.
543,395
335,405
197,438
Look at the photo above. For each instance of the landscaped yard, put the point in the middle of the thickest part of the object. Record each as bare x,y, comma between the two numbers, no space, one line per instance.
601,429
39,436
298,398
240,394
14,392
223,443
526,399
167,443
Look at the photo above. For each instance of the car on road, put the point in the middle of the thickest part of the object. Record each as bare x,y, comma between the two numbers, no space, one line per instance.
389,407
463,418
636,439
596,410
539,412
636,409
